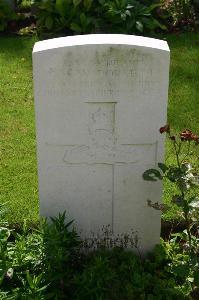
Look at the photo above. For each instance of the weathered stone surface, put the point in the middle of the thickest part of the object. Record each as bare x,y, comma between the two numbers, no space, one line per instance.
100,100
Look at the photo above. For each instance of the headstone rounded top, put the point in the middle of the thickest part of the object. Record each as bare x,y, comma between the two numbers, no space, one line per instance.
101,39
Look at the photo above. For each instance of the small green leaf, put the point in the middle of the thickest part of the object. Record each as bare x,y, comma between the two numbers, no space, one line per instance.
76,2
4,234
69,223
158,24
174,173
129,6
123,16
153,6
60,7
75,27
139,26
83,19
152,175
29,279
162,167
49,22
186,168
43,288
87,4
9,273
128,13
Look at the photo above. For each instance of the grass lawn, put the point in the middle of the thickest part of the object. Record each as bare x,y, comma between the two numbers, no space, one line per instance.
183,106
18,173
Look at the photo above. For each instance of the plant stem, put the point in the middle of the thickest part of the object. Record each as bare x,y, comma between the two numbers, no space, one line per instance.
188,150
185,208
187,220
188,229
177,154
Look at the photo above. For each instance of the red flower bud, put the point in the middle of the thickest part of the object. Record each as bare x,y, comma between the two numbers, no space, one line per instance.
165,128
186,135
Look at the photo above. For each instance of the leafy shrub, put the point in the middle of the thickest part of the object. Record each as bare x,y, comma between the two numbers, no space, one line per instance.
24,4
88,16
7,14
34,263
131,17
46,263
119,274
184,176
60,255
183,248
182,12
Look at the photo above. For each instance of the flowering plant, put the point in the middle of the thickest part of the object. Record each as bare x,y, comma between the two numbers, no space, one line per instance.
185,177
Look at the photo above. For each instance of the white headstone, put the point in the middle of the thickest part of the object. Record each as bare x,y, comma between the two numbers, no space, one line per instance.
100,100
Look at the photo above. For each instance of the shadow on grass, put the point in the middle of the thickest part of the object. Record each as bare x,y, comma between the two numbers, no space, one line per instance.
14,47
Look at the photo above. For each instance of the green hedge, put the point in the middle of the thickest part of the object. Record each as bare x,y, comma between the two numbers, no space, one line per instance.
58,17
89,16
7,14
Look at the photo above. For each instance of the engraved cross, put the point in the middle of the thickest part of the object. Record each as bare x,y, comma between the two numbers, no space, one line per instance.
102,146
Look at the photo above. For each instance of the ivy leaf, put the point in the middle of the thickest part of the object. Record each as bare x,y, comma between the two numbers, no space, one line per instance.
162,167
174,174
152,175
